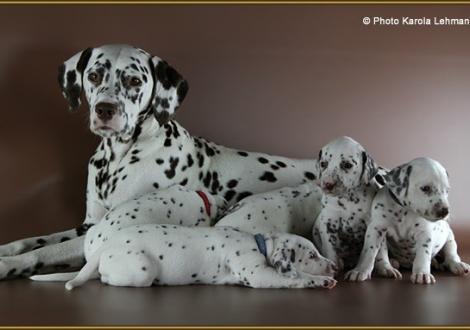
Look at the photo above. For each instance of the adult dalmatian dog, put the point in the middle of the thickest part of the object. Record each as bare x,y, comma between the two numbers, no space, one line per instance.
133,97
410,215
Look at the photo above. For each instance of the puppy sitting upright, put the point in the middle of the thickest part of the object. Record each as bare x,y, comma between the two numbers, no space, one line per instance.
347,178
411,212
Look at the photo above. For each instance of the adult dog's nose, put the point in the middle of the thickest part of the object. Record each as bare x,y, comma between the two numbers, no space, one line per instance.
105,111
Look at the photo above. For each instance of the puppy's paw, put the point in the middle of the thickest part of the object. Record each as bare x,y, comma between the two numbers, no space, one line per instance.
390,272
394,263
422,278
337,261
357,275
458,268
322,282
329,283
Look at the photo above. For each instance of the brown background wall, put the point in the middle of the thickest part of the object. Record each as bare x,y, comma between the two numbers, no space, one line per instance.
280,79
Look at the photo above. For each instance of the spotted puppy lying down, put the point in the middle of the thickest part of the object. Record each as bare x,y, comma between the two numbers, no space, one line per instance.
143,255
347,177
410,215
286,210
175,205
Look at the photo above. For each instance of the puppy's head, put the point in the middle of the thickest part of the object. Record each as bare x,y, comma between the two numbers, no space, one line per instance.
343,165
123,86
292,253
422,185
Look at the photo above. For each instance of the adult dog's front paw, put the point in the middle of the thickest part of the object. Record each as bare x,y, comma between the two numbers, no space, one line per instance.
458,268
357,275
5,269
7,250
422,278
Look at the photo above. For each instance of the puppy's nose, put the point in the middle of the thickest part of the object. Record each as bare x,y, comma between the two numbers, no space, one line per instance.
443,212
105,111
329,186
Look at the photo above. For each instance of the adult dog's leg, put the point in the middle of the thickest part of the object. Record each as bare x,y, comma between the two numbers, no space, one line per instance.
27,244
67,255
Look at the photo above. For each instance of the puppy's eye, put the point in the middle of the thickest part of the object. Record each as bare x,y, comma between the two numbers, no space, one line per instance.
426,189
324,164
135,82
93,77
346,165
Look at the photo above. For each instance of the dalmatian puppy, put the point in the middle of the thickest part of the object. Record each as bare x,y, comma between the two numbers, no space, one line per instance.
142,255
133,97
410,216
179,206
347,177
175,205
291,209
285,210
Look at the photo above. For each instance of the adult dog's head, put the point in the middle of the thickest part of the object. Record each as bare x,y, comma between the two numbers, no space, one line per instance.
123,85
421,185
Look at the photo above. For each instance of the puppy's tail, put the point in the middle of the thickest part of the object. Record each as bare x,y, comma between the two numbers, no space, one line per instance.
88,272
57,277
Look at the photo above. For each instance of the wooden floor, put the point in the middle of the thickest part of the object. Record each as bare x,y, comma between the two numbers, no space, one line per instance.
377,302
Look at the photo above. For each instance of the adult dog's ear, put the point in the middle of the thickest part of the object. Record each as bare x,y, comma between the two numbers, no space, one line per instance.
71,77
398,181
169,90
369,168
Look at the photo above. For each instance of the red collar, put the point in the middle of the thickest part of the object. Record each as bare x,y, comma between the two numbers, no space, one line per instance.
205,199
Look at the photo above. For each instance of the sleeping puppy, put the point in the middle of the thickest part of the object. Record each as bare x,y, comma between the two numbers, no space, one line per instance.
347,177
175,205
410,215
143,255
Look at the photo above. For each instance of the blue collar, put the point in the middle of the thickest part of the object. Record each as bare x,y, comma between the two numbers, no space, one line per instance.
261,242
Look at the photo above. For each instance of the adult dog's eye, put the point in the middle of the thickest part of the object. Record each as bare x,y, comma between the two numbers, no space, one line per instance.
93,77
135,82
324,164
346,165
426,189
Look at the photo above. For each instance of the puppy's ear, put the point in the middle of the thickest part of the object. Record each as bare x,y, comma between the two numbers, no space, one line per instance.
398,181
317,164
169,90
283,261
71,77
369,168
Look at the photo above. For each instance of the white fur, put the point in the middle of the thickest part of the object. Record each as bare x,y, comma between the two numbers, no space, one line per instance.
143,255
406,217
